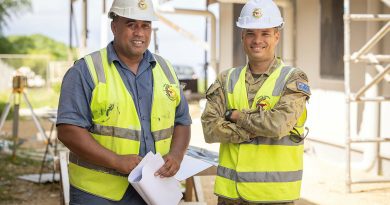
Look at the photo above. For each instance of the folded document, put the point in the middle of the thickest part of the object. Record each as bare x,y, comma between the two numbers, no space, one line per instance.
162,191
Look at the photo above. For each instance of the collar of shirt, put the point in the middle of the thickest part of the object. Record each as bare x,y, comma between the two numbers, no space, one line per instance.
276,63
147,58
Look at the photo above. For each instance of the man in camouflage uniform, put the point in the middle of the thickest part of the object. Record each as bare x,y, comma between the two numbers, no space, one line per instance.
263,126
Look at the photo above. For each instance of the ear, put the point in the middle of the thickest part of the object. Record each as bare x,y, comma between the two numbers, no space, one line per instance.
242,34
113,27
277,35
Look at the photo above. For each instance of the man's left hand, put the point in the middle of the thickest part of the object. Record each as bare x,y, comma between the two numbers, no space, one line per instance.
171,166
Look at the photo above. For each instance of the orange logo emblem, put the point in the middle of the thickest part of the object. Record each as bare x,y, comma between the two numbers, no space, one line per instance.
263,102
170,92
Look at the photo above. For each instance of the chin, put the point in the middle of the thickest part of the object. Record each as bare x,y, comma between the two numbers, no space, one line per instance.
138,51
258,56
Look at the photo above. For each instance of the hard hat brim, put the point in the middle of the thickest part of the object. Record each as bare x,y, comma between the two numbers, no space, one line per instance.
257,26
112,14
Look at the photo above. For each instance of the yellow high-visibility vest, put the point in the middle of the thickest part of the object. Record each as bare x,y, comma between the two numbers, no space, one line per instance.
116,125
264,169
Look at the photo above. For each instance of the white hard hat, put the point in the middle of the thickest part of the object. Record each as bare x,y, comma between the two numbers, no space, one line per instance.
133,9
259,14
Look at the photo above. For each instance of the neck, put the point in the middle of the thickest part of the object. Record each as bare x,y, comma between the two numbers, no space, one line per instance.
260,67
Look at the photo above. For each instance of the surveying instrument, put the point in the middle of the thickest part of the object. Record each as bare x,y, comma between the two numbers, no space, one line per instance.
19,82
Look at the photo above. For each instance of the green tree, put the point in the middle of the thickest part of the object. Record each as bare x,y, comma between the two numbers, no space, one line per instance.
33,44
10,8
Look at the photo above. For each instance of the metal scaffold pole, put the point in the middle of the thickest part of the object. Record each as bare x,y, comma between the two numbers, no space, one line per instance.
377,61
347,89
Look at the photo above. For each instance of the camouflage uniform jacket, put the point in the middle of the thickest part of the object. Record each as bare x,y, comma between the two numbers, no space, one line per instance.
275,123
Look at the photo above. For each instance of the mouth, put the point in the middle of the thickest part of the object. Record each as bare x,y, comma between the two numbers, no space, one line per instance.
138,43
258,48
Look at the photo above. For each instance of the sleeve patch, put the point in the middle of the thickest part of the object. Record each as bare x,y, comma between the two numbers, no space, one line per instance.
303,87
212,90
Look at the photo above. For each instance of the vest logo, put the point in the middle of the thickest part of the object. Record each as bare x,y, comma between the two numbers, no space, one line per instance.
263,102
170,92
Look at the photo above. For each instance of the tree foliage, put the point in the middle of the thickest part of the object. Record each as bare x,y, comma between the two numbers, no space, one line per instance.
10,8
34,44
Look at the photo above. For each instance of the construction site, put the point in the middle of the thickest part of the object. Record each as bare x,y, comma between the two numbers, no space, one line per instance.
342,45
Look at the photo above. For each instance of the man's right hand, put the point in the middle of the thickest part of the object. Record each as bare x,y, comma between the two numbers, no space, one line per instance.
126,163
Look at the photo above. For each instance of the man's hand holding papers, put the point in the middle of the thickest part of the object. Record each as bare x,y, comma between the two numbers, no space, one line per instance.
162,191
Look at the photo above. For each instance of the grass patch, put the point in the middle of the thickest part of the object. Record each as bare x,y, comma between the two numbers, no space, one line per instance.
201,83
38,97
2,108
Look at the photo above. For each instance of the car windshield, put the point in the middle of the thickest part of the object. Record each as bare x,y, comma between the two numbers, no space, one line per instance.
184,72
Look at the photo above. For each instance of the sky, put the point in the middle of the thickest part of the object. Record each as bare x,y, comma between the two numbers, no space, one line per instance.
53,20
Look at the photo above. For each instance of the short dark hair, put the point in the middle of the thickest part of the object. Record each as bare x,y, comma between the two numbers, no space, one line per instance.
112,15
280,27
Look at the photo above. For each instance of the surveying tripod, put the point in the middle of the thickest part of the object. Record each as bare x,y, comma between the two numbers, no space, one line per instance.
18,84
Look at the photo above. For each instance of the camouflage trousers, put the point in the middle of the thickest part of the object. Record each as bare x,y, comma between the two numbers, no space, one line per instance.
224,201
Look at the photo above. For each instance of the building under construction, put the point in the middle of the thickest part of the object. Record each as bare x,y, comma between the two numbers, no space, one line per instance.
344,47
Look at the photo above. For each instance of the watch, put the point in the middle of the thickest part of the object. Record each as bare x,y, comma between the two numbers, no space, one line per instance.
228,114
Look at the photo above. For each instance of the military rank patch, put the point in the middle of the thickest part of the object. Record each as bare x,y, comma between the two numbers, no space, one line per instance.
303,87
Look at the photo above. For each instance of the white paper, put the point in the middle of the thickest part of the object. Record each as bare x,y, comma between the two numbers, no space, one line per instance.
189,167
162,191
153,189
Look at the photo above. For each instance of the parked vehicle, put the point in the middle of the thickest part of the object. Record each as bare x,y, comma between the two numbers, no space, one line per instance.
187,77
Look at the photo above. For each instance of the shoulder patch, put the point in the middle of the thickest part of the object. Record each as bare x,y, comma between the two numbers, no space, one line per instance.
213,89
303,87
303,76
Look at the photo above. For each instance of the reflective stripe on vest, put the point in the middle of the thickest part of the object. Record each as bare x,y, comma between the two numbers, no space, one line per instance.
276,175
289,176
116,125
76,160
116,132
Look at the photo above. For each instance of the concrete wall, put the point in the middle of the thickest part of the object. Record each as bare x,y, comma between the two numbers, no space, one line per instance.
226,35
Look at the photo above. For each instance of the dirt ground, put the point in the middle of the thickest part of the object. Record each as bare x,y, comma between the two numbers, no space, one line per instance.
14,191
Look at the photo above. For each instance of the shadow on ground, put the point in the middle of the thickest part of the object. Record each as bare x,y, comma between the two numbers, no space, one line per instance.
304,202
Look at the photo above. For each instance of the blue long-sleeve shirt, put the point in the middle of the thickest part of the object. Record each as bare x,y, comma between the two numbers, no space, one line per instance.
77,87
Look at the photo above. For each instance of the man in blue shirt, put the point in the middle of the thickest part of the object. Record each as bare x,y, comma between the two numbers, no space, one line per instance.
131,26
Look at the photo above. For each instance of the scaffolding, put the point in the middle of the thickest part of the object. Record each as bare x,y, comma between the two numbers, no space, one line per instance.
382,66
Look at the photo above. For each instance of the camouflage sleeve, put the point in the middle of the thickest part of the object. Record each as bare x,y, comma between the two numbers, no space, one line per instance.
280,120
215,128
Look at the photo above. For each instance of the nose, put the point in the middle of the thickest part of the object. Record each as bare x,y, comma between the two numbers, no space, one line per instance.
258,39
138,31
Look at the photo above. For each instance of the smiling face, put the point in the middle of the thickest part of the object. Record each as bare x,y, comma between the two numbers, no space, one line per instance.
260,44
131,37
